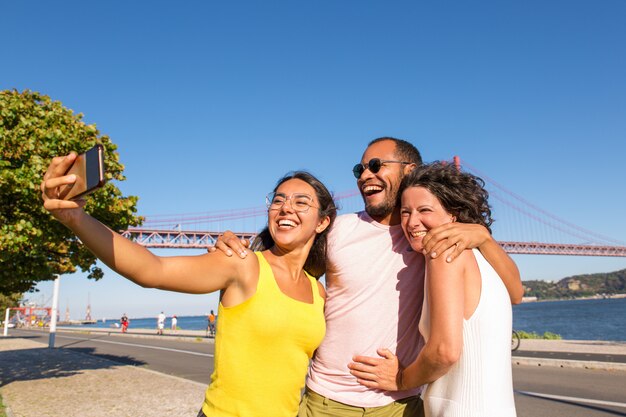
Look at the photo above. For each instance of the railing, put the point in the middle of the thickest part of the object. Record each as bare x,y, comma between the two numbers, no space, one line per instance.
204,239
537,248
177,239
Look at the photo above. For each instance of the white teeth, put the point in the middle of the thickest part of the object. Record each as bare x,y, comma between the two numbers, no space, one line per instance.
287,223
420,233
372,189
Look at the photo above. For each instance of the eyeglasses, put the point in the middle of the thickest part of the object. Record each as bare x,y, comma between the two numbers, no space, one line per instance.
374,166
300,202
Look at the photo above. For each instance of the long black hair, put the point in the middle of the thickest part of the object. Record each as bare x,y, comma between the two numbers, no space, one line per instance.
315,263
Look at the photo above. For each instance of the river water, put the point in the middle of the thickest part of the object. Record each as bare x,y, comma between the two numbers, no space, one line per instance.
601,319
597,319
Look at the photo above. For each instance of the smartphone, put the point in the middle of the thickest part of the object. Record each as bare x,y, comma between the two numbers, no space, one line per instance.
89,170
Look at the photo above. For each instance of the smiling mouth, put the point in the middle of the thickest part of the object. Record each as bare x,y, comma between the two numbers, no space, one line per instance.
286,224
368,190
420,233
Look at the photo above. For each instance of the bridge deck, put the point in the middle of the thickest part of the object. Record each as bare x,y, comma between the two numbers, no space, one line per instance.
204,239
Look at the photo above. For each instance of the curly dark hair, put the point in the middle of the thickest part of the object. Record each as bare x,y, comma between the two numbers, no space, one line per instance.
461,194
315,263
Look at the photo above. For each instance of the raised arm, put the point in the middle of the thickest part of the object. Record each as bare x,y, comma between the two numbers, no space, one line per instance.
190,274
505,267
464,236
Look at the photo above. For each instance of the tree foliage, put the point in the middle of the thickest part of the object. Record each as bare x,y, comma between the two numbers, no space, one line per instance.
578,286
7,301
33,246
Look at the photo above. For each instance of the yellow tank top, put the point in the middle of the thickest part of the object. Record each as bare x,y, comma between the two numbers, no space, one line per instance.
262,351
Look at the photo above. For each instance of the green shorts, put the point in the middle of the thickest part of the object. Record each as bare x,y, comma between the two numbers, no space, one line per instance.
315,405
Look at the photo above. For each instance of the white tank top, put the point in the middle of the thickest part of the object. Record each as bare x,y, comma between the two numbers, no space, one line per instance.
480,384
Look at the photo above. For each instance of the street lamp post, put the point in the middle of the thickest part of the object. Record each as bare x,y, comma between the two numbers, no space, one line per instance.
55,309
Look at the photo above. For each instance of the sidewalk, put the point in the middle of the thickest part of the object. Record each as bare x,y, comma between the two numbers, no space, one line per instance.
39,382
192,334
578,354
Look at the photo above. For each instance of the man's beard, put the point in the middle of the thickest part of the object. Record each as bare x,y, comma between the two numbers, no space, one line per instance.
382,209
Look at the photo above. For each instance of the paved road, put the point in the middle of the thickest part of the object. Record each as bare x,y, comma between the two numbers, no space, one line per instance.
540,391
577,356
190,359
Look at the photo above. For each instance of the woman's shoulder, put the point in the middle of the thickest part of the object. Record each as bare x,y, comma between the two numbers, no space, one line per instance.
463,260
241,269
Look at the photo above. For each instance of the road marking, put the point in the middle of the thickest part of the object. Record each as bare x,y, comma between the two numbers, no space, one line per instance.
138,345
572,399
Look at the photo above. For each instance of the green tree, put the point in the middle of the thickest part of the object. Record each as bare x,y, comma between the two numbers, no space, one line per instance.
33,246
8,301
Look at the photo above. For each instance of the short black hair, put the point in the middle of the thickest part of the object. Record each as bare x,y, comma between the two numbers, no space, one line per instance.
405,151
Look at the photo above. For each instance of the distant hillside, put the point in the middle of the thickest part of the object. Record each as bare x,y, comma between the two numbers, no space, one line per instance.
578,286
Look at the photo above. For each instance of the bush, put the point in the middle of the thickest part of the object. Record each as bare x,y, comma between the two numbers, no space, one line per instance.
535,335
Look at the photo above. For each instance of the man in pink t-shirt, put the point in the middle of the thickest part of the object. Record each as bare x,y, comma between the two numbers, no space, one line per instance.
375,289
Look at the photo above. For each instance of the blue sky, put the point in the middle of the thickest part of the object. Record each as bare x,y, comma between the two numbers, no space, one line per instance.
210,103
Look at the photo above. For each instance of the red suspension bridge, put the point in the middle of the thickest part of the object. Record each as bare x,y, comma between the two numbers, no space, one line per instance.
535,231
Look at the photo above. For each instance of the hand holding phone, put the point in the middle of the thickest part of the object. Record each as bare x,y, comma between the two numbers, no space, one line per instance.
89,171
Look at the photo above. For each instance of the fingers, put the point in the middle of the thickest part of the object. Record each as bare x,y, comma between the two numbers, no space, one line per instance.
366,378
366,360
54,176
368,383
59,165
440,239
55,182
363,372
50,188
220,245
434,237
371,376
448,247
236,245
459,246
386,353
54,204
229,243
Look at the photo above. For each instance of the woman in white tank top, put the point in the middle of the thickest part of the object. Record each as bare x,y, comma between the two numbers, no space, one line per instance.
466,319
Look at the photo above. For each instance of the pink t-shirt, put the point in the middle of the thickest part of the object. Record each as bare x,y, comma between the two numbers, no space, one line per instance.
375,290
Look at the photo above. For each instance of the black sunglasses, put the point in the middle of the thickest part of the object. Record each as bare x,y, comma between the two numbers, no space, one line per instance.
374,166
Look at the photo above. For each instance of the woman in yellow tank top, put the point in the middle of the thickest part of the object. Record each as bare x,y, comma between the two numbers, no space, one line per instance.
271,306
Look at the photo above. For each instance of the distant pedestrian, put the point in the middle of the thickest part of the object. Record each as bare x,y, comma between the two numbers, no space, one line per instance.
174,323
124,322
160,323
211,327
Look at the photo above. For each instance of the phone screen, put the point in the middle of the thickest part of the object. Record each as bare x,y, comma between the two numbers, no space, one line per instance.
89,170
94,167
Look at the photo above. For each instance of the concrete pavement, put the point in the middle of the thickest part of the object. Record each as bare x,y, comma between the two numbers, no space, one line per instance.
39,382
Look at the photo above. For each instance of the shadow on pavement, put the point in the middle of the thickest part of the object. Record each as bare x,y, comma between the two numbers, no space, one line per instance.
124,360
43,363
9,337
